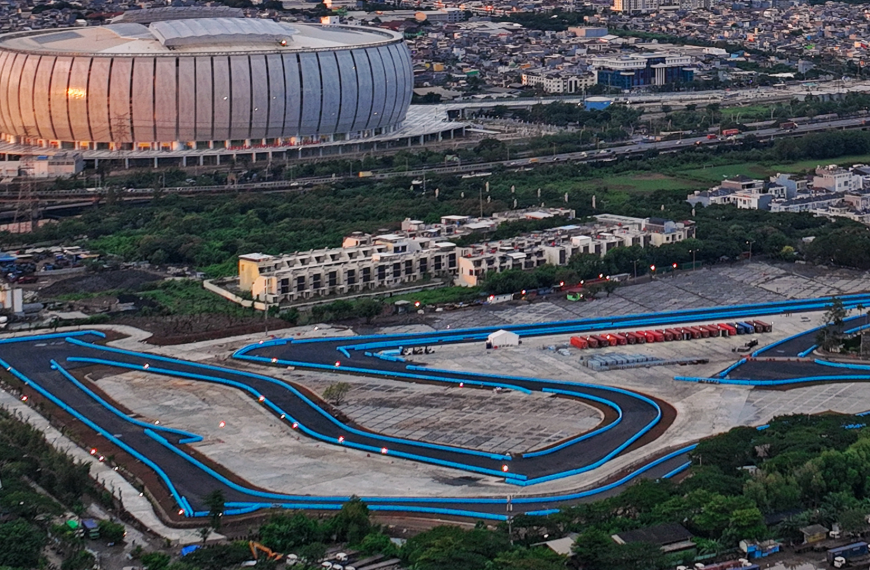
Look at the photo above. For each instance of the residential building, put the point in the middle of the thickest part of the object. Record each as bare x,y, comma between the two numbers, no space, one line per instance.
742,191
383,261
806,203
793,186
419,252
557,81
837,179
635,6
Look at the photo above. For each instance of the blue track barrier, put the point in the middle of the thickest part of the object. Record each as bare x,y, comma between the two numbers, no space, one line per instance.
806,352
111,437
725,372
186,437
317,435
500,457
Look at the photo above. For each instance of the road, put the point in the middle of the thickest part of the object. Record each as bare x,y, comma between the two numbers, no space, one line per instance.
47,364
303,184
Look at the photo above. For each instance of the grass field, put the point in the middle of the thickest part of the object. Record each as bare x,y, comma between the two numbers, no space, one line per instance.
812,163
715,174
749,113
695,178
644,182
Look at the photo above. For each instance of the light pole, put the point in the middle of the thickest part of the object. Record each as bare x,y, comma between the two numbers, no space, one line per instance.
634,261
694,251
750,242
652,268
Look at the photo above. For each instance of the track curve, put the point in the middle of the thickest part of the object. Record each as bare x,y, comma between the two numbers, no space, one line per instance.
46,364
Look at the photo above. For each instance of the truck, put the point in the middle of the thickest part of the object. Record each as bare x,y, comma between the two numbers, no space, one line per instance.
365,173
730,132
788,126
91,528
841,556
711,137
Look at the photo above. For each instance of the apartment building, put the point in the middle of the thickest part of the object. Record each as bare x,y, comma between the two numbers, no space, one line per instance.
556,246
420,251
363,263
635,6
557,81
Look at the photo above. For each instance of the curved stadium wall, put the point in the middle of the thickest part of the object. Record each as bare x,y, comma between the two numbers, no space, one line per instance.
203,99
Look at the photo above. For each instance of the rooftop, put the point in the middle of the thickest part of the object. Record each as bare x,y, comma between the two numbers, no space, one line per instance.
195,35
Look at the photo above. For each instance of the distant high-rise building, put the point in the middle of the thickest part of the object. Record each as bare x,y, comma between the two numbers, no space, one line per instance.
635,6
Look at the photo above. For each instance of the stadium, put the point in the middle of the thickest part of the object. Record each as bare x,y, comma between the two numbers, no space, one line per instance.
188,79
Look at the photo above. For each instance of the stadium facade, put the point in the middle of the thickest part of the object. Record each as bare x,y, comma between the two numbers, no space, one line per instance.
183,81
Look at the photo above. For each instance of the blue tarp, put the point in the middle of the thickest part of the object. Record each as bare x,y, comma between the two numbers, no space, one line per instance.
188,549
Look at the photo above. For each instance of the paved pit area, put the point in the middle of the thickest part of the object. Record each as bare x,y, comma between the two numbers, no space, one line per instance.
703,409
736,284
478,419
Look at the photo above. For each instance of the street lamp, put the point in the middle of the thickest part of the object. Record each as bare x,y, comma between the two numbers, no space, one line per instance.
652,268
674,265
750,242
694,251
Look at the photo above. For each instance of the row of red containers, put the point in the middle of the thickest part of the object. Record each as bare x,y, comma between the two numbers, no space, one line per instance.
663,335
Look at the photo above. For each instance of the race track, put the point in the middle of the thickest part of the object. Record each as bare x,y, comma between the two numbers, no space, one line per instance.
47,363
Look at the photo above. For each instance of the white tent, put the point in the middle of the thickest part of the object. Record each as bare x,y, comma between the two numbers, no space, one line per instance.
503,338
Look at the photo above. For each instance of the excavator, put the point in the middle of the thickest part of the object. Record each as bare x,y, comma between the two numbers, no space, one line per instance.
256,548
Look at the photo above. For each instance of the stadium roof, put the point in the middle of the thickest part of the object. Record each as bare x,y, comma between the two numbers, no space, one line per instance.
177,13
198,31
195,35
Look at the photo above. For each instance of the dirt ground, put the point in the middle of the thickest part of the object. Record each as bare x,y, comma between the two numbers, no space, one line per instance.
130,279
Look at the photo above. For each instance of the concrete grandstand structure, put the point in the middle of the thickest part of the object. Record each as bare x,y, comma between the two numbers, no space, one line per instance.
175,80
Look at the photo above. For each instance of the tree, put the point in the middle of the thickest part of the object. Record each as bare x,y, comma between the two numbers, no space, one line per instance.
378,543
634,556
311,553
215,502
78,560
336,392
112,532
539,558
744,524
352,523
204,533
591,548
369,309
22,544
155,560
283,532
831,337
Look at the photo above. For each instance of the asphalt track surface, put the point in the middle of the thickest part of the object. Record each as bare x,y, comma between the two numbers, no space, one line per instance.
45,362
791,362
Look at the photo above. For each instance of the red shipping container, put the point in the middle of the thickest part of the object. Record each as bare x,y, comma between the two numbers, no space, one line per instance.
592,341
677,334
579,342
668,336
620,339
